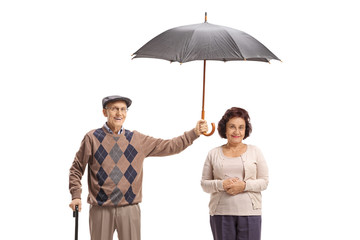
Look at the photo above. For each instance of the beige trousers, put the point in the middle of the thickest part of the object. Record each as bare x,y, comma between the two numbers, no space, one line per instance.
105,220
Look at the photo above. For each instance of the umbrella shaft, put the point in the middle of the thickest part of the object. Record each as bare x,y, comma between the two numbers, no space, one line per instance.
203,98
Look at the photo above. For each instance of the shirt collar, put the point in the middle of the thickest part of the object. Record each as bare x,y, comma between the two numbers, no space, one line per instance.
110,131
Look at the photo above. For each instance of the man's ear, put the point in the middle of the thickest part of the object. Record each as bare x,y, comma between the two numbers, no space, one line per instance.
105,112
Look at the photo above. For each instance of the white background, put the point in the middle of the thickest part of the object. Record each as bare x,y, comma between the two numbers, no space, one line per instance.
58,59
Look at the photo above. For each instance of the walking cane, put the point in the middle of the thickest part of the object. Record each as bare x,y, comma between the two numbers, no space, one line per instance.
76,216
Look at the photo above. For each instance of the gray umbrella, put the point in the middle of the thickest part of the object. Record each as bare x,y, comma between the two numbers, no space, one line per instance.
205,41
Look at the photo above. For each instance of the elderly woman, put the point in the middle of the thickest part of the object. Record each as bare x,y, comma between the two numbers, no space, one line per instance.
235,174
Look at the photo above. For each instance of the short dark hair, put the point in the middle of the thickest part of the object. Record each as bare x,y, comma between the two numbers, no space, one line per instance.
231,113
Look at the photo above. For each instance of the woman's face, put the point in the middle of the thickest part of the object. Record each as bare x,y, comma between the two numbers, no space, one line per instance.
235,130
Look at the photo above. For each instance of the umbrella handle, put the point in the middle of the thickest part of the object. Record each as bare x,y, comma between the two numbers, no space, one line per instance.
212,125
212,130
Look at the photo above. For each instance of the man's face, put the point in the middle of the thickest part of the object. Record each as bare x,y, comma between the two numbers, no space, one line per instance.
116,114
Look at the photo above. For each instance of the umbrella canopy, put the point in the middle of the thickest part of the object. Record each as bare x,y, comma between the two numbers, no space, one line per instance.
205,41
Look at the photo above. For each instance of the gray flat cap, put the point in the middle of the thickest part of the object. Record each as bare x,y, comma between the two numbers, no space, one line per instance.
113,98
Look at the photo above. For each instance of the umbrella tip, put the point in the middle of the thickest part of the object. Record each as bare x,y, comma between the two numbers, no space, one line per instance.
205,16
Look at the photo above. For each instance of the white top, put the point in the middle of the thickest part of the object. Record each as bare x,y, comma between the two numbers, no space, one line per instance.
250,166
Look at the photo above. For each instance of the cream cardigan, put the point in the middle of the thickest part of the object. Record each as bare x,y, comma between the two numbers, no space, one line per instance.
256,176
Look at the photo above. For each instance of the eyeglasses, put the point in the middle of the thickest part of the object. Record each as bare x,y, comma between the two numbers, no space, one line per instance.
116,109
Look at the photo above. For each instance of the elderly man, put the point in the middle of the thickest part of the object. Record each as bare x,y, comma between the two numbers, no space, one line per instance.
115,157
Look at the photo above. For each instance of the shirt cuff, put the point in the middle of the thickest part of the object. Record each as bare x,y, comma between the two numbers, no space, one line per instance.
220,186
76,195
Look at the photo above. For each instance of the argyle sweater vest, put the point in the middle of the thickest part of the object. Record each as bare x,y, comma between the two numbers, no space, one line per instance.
115,164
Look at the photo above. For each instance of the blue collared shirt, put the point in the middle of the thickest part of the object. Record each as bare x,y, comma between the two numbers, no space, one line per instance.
110,131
